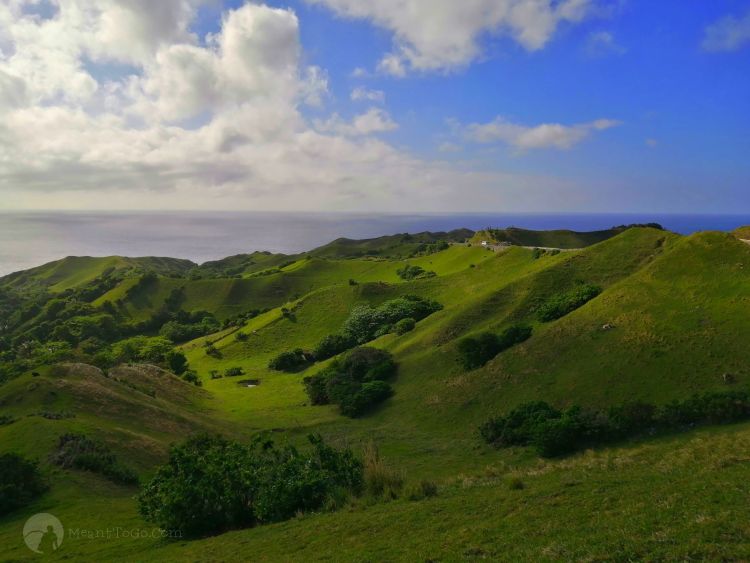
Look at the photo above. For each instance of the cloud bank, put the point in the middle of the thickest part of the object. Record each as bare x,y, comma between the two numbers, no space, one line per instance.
441,35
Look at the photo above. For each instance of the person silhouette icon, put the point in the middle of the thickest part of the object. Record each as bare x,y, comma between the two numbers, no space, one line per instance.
49,541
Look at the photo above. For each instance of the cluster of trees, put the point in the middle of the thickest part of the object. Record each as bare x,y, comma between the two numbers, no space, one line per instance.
364,324
563,303
427,248
475,351
553,432
355,383
20,482
76,451
210,484
410,272
291,362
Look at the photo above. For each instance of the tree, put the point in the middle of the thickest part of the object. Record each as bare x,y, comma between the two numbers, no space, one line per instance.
177,362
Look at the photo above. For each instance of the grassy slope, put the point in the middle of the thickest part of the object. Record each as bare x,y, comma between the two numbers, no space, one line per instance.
675,498
74,271
678,309
545,239
228,297
393,246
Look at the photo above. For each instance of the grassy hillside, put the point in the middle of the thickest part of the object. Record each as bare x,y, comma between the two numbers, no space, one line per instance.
546,239
75,271
393,246
669,321
226,297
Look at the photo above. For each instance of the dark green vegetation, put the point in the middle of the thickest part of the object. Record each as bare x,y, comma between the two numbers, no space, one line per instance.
210,484
552,239
667,323
561,304
553,432
76,451
356,383
475,351
20,482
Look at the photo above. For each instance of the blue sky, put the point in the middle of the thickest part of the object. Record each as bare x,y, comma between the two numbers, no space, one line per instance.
667,82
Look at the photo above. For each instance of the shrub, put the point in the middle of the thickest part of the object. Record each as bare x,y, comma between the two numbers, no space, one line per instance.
76,451
332,345
474,352
555,433
410,272
405,325
20,482
177,362
234,372
370,394
364,321
240,336
210,485
212,350
563,303
191,376
356,383
290,362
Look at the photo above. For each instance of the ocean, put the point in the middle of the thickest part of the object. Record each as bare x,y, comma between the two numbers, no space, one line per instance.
28,239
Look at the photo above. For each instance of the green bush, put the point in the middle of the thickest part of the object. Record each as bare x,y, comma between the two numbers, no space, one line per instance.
210,485
405,325
177,362
365,321
356,383
191,376
332,345
553,433
410,272
290,362
234,372
474,352
76,451
20,482
563,303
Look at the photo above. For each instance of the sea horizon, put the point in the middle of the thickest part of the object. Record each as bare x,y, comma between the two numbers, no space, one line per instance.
32,238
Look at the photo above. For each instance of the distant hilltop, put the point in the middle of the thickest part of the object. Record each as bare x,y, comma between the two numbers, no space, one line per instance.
563,239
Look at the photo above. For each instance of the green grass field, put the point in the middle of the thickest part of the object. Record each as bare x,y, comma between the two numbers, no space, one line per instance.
670,321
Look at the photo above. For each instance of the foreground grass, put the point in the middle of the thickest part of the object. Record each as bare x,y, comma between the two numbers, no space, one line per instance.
679,497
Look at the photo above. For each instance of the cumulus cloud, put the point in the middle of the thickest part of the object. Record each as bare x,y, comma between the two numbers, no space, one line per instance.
372,121
361,94
439,35
730,33
100,115
545,136
97,114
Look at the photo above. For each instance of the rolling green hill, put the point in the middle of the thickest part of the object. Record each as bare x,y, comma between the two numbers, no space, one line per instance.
563,239
668,320
75,271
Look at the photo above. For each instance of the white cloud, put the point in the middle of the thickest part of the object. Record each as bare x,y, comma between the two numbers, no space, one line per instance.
151,116
372,121
439,35
548,135
361,94
602,43
652,143
728,34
